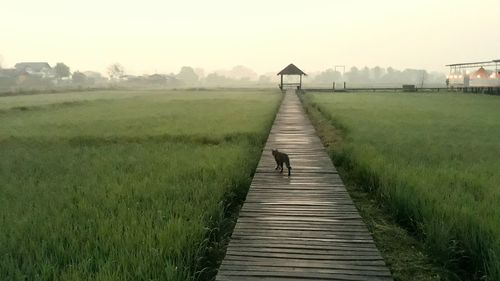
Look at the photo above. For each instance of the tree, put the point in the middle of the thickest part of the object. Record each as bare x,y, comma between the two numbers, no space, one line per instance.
61,70
115,71
172,81
392,75
215,79
327,77
264,79
377,73
390,70
352,75
364,75
241,72
79,77
200,72
187,75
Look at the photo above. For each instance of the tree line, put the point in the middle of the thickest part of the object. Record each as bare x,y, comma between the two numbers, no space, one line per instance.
239,76
378,76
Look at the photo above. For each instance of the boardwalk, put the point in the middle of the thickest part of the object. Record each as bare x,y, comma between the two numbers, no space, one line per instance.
304,227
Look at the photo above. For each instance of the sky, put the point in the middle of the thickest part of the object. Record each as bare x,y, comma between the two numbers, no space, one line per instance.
151,36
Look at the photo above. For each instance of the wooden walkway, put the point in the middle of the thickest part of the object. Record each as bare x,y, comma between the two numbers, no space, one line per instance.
304,227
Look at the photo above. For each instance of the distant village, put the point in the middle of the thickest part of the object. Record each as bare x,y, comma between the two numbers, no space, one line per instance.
41,75
35,76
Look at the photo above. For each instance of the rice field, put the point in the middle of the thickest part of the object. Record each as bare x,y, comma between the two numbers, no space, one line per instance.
123,185
433,160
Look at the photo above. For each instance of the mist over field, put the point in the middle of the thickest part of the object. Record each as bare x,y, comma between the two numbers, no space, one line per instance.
188,77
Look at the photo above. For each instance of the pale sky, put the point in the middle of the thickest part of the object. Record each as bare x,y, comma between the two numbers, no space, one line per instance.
149,35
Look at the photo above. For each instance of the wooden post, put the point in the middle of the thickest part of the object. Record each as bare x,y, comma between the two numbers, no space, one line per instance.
300,87
281,85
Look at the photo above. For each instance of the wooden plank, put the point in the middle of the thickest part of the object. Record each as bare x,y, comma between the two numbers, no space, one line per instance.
310,253
302,227
304,269
298,262
336,275
339,228
343,224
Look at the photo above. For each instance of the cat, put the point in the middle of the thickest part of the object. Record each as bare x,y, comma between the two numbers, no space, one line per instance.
281,158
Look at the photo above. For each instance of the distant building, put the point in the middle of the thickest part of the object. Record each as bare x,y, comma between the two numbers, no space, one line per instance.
40,69
93,74
131,78
94,77
485,74
157,79
475,77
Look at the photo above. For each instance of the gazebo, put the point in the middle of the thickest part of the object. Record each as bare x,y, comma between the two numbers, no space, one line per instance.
291,69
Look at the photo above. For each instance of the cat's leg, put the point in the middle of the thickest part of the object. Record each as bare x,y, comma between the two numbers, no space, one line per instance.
288,167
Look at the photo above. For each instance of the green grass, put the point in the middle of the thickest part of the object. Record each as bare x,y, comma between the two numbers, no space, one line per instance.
132,187
20,101
433,160
211,115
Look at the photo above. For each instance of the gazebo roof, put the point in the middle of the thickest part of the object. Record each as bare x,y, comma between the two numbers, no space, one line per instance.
291,69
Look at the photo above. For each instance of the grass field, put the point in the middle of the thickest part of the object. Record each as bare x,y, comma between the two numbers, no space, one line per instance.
21,101
433,159
123,185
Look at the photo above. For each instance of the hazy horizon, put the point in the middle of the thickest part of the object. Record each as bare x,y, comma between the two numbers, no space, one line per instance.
162,36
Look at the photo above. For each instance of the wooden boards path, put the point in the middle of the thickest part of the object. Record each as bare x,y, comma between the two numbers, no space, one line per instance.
303,227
